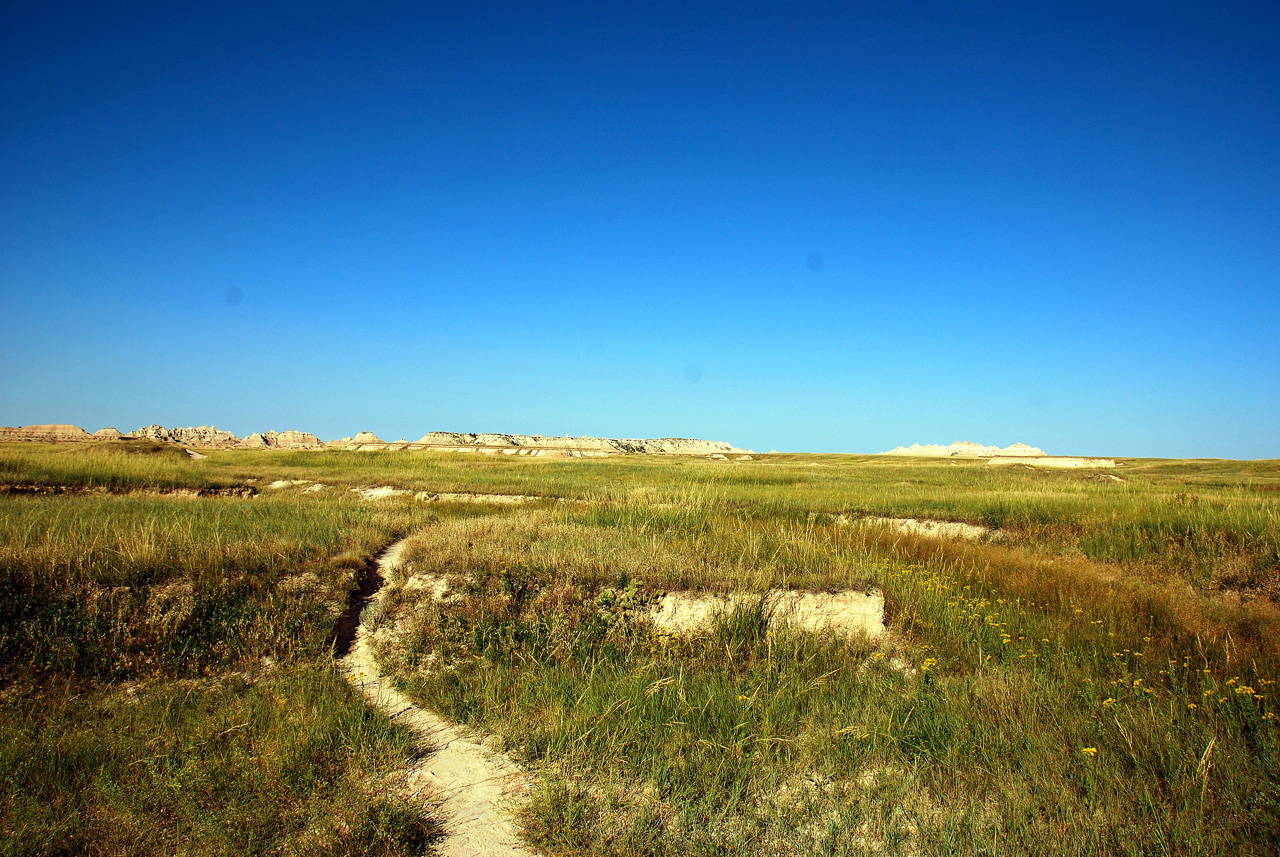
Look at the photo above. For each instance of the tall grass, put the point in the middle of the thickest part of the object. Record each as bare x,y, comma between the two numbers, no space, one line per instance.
286,763
166,687
111,465
1211,523
115,587
1010,710
1097,678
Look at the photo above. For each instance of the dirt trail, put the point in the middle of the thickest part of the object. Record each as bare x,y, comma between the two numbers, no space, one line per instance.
473,784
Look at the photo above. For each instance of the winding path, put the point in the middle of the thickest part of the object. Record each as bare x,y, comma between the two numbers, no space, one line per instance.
472,783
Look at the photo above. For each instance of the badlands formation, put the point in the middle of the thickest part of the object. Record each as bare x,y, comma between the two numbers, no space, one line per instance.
210,437
1018,453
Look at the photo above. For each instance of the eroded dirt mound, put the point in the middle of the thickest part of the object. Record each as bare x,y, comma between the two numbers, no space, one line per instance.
846,613
924,527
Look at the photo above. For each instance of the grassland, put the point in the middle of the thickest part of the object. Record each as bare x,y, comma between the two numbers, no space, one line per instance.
167,686
1095,679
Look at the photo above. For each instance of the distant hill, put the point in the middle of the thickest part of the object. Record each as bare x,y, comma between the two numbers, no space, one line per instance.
967,449
211,437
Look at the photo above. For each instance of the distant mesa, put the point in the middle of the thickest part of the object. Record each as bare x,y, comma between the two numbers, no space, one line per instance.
966,449
1018,453
212,437
51,433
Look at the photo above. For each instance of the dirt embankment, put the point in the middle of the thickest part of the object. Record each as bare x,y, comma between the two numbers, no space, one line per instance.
39,489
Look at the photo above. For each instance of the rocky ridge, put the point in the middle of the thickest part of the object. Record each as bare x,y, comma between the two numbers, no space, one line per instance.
207,436
211,437
576,447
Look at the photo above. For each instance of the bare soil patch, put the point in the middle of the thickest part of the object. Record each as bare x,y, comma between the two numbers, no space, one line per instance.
383,492
924,527
845,613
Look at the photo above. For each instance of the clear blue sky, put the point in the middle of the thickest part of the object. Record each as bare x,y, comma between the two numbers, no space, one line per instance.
826,227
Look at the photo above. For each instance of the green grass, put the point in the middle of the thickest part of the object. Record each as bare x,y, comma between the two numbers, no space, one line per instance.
118,587
285,762
166,685
1096,680
110,466
1211,523
1050,710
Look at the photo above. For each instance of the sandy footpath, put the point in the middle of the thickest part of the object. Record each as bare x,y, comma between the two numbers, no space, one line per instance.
471,786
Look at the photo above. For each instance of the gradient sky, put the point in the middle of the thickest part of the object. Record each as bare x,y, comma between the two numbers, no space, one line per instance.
806,227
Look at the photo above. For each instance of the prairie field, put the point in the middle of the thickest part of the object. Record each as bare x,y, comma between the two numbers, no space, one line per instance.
1093,673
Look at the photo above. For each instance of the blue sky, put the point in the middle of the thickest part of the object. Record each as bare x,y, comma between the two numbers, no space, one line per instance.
809,227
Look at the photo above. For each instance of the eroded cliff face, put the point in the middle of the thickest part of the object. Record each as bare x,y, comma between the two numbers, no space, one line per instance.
205,436
282,440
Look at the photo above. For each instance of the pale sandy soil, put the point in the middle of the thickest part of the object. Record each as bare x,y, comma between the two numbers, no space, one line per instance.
470,786
923,527
847,612
382,492
287,483
506,499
